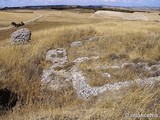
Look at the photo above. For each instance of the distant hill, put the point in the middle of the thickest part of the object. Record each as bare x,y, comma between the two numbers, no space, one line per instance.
98,7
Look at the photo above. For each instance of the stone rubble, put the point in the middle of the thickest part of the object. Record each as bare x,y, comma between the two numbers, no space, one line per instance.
80,42
57,79
80,60
84,91
152,69
93,38
53,78
76,44
106,75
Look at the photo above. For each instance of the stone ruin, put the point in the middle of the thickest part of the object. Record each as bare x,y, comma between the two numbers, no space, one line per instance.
57,77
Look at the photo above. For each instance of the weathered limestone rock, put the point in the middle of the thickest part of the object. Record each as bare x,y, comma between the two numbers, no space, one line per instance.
53,78
58,57
21,36
76,44
85,91
92,38
106,75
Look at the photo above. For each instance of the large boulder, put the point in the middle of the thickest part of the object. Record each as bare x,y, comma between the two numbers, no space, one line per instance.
21,36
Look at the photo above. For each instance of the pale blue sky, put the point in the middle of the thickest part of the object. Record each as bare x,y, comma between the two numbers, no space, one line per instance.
7,3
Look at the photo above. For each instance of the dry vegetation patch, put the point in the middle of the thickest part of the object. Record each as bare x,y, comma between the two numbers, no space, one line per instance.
17,16
119,41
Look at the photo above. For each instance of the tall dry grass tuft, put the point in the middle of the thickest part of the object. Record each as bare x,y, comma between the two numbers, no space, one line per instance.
136,102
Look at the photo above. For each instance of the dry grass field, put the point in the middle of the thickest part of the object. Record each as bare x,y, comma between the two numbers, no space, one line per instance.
8,16
119,41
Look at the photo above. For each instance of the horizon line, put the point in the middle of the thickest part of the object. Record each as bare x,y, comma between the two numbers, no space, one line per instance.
84,5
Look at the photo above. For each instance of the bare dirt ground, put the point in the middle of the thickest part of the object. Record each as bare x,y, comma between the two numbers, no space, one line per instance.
129,16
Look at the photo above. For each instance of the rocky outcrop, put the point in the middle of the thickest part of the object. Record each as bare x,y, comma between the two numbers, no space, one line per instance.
21,36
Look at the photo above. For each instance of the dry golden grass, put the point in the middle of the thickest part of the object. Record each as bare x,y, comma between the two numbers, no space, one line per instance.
21,66
15,16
